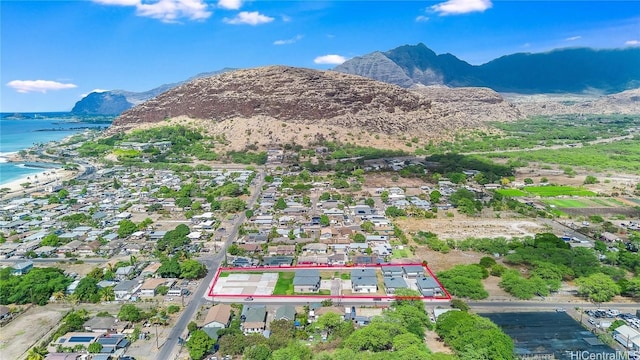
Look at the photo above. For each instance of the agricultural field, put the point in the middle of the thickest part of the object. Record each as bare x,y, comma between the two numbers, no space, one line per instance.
546,191
553,191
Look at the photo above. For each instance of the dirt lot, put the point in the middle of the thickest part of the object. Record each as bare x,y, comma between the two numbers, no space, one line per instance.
461,227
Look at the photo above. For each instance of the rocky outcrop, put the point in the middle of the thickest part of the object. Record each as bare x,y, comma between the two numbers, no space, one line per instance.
296,98
101,103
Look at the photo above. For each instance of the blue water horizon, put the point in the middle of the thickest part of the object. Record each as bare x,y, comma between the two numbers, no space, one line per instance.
21,131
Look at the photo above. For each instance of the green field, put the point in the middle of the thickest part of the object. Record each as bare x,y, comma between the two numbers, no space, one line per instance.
511,192
567,203
224,274
284,285
400,254
551,191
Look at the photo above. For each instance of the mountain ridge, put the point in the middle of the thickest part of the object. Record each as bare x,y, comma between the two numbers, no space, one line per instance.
565,70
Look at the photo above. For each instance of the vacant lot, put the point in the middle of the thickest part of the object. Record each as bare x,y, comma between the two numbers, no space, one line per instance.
464,227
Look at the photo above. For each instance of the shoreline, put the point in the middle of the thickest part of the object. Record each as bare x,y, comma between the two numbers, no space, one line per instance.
38,182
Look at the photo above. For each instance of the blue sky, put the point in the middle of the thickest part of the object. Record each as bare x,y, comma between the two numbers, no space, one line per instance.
52,52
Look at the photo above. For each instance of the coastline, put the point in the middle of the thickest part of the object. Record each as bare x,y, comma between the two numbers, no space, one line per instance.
38,182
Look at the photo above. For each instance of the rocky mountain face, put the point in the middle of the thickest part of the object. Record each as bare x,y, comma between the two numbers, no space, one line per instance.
102,103
114,102
570,70
278,104
626,102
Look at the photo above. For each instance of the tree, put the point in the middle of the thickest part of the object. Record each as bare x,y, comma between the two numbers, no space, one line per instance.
377,336
324,220
435,196
51,240
199,344
232,344
463,331
528,181
37,353
130,312
359,238
87,289
294,351
169,268
257,352
370,202
329,321
94,348
459,304
192,269
598,287
280,204
384,196
590,179
126,227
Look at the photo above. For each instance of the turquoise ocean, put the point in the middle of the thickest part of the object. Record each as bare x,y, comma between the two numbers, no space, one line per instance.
24,130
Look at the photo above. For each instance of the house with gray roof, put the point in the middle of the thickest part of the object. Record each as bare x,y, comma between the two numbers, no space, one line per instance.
413,271
363,281
285,312
253,319
428,286
392,271
391,284
306,281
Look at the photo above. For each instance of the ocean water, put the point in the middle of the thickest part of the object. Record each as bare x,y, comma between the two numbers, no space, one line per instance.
22,131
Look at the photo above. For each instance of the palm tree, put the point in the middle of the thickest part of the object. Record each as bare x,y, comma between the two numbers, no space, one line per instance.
107,294
37,353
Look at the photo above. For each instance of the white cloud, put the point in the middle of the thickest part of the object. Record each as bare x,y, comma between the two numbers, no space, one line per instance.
230,4
330,59
93,91
169,11
249,18
285,18
573,38
457,7
288,41
632,42
27,86
422,18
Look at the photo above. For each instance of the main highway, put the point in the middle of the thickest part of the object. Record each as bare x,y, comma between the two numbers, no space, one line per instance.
168,348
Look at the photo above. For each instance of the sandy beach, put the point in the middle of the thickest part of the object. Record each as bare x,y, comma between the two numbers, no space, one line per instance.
39,182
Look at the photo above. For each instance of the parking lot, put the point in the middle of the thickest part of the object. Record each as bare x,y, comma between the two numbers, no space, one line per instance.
246,284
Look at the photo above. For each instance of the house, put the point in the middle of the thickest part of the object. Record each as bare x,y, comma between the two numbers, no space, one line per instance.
313,260
364,281
315,248
628,337
367,260
428,286
253,319
122,273
256,238
100,324
22,268
148,288
285,312
338,259
151,269
391,284
277,260
306,281
392,271
218,316
360,210
413,271
330,309
125,289
112,343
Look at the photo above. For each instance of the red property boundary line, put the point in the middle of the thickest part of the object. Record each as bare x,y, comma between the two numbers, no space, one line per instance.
447,296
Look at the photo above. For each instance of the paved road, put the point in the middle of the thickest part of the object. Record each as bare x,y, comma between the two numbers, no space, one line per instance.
54,260
168,348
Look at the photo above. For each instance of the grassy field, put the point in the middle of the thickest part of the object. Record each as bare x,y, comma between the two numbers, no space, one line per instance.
224,274
567,203
400,254
284,285
511,192
551,191
620,156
